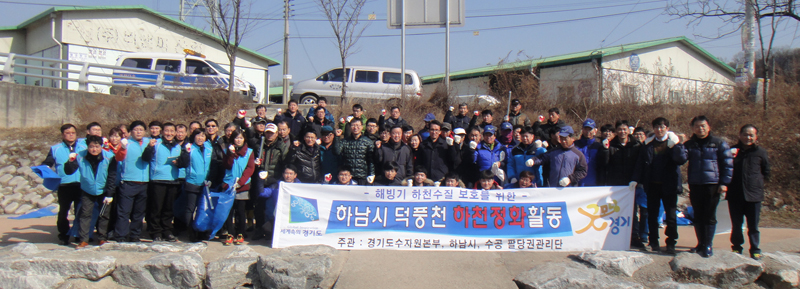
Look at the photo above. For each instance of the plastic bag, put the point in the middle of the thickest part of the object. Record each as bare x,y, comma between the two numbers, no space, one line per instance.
212,210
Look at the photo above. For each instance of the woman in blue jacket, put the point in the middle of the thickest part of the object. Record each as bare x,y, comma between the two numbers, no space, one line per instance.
239,167
196,158
162,154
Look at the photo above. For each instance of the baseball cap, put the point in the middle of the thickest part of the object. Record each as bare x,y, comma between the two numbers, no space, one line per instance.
326,130
429,117
459,130
506,126
271,127
589,123
258,119
566,130
515,102
489,129
447,126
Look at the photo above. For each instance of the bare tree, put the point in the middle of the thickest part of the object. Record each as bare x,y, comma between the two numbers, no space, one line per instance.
733,15
343,17
228,20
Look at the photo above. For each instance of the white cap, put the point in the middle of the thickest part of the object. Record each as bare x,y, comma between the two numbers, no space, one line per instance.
459,130
271,127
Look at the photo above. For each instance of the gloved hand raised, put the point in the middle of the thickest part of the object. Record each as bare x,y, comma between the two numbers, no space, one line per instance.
632,186
564,182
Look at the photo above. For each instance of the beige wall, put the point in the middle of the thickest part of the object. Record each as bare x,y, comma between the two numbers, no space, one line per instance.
13,41
672,59
579,78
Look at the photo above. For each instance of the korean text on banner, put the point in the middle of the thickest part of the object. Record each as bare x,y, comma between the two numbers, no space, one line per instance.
444,218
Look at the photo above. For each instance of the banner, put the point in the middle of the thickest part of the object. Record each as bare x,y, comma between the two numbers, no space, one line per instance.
444,218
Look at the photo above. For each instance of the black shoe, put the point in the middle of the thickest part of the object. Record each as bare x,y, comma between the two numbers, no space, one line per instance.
170,238
63,241
708,252
158,239
670,250
697,250
637,244
134,239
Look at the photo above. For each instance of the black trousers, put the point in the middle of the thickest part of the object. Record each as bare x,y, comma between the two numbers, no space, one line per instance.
131,205
704,199
192,195
160,205
239,212
739,209
259,206
655,196
88,204
68,194
639,226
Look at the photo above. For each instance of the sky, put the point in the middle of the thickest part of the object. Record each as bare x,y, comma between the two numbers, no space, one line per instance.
494,31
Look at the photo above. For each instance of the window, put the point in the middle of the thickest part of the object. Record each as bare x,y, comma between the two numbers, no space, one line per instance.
333,75
198,67
143,63
394,78
565,92
168,65
367,76
675,96
629,92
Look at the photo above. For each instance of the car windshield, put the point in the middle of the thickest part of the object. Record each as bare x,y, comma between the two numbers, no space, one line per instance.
218,67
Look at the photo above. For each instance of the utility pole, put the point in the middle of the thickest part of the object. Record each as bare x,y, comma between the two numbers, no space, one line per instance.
286,76
187,6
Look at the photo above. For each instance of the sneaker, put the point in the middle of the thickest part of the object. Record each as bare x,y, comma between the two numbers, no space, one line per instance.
158,239
756,256
670,250
228,240
239,240
170,238
737,251
82,245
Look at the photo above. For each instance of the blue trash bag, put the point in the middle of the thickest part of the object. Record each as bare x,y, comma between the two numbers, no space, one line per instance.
212,210
51,178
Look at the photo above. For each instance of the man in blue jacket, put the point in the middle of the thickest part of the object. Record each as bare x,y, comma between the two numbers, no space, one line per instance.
710,171
69,191
586,145
659,169
567,164
132,197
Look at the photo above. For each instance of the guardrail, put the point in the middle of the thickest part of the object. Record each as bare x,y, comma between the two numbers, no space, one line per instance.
7,73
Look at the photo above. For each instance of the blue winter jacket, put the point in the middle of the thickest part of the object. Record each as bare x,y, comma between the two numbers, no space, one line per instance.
161,156
60,154
564,163
270,196
485,156
516,162
134,168
199,163
710,161
97,183
589,148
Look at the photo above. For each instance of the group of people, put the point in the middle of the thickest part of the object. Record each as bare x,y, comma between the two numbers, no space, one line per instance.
137,171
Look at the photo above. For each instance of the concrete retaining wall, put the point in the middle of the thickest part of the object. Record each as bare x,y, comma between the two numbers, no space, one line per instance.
26,106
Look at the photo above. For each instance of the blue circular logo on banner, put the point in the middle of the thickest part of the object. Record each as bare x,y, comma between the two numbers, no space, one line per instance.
634,62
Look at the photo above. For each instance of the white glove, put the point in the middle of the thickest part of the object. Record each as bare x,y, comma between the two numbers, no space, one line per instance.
436,184
105,141
236,185
232,148
263,175
383,112
537,144
476,112
500,174
734,152
247,123
473,145
449,141
495,167
450,109
319,142
73,156
370,178
188,147
457,138
410,183
328,177
349,118
124,142
341,120
632,186
107,200
241,113
207,183
514,180
502,155
279,110
563,182
530,162
606,144
672,139
545,144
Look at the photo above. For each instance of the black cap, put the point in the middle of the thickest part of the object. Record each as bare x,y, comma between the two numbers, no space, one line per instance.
258,119
515,102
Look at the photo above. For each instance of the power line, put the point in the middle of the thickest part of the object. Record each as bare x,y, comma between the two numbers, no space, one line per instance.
620,22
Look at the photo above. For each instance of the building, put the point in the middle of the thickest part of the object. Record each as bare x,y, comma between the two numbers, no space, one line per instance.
671,70
101,34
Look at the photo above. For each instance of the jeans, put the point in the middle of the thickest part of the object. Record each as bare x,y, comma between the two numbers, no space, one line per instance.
68,194
655,196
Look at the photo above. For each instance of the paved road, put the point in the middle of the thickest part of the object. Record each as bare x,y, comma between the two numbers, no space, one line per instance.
412,269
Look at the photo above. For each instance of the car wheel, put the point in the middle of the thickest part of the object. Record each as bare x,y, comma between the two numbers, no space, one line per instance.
308,99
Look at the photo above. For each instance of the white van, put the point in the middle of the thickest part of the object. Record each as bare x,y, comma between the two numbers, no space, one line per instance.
362,82
195,71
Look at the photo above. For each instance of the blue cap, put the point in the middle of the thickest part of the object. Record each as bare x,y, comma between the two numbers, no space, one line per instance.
506,125
566,131
429,117
490,129
589,123
327,128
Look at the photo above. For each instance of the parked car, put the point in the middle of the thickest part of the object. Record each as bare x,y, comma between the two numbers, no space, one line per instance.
195,72
364,82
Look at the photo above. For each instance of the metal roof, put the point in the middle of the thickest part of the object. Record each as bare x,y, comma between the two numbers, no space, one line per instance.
575,57
270,61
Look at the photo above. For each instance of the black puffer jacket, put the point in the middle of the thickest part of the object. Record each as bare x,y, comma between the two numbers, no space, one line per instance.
615,165
358,154
436,156
750,170
396,152
307,161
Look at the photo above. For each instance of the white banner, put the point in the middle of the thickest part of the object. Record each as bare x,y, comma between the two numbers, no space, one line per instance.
443,218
